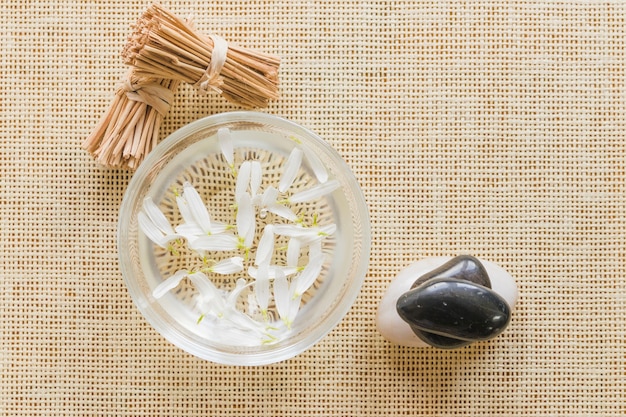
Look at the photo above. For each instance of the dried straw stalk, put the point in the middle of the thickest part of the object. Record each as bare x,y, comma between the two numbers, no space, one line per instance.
162,51
165,46
129,129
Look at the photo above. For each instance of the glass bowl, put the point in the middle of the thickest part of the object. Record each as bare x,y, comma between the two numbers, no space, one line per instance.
243,238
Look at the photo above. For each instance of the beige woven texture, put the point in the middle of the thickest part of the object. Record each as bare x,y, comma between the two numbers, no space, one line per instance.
491,128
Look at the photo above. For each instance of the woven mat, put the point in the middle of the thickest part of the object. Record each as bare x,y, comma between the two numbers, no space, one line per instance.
492,128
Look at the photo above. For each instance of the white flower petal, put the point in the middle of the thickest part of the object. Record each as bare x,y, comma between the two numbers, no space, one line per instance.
240,285
315,192
306,235
243,180
197,208
262,288
265,249
245,219
282,211
149,229
293,251
170,283
185,212
292,166
255,177
291,230
209,294
294,307
282,297
309,275
219,242
228,266
315,248
242,321
189,231
318,168
273,270
225,140
152,232
156,216
318,233
270,195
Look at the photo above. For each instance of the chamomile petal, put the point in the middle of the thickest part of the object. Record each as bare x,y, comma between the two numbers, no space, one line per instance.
292,166
273,271
262,288
152,232
228,266
156,216
169,284
282,297
243,180
315,192
318,168
219,242
270,195
209,294
185,212
282,211
197,208
309,275
293,251
265,248
255,177
245,219
225,139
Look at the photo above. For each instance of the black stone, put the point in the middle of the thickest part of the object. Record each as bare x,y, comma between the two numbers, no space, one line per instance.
439,341
453,309
463,267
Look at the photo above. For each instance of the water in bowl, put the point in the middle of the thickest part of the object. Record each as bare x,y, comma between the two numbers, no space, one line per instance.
203,165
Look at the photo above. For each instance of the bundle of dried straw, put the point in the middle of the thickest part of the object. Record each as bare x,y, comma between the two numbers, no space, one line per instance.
162,51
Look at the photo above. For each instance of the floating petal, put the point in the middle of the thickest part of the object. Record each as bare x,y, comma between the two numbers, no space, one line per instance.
265,248
243,180
189,231
197,208
315,192
270,195
309,275
157,217
152,232
169,284
219,242
282,211
225,140
262,288
185,212
240,285
273,271
294,307
228,266
315,248
292,230
292,166
318,168
209,293
293,251
282,297
245,219
255,177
